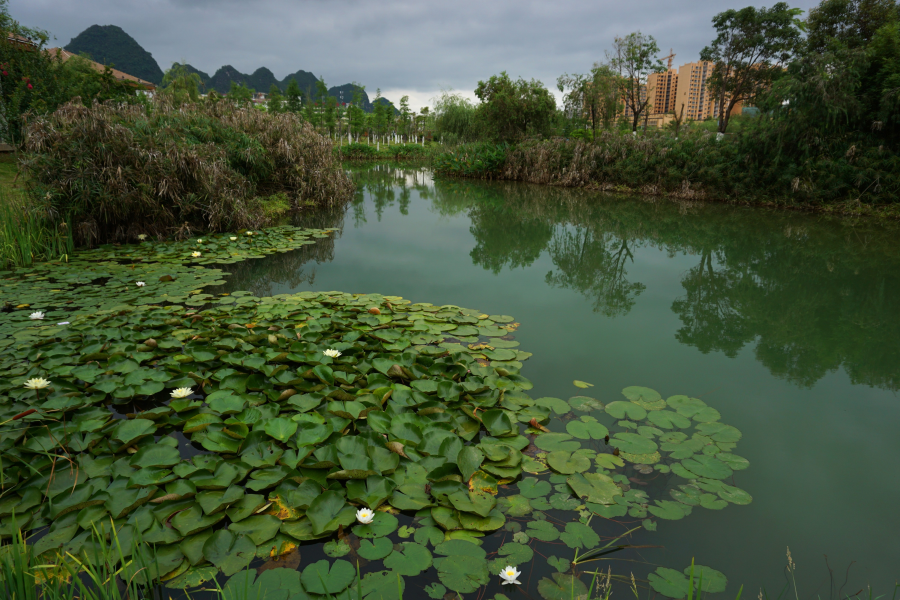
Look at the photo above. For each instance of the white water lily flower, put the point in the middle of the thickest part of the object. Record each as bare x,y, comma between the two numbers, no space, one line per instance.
509,575
38,383
140,284
233,238
37,316
249,233
63,323
142,237
332,353
195,254
199,241
182,392
365,516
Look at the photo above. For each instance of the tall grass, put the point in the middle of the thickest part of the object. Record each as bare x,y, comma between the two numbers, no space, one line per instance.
30,235
105,575
120,170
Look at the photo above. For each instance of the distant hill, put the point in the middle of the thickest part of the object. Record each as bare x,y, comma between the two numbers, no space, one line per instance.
110,45
262,79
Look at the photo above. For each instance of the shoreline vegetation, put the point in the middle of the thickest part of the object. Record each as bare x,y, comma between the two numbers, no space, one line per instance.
696,168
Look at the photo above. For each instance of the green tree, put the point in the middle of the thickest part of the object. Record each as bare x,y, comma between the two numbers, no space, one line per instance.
330,113
379,118
293,97
275,102
425,121
355,114
240,93
750,50
181,84
511,110
404,115
78,77
454,117
883,77
848,23
321,96
634,57
594,96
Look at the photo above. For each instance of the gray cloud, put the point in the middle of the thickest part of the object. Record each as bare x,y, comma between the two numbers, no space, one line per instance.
399,46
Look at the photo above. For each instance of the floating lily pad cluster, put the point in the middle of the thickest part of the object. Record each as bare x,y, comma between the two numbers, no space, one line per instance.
280,442
107,277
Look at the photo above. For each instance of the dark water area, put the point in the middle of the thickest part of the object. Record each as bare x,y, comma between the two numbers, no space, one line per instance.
787,323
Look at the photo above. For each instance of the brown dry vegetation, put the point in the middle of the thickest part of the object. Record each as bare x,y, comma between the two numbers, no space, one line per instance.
116,170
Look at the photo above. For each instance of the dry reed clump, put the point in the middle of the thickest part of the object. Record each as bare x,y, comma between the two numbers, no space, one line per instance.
616,162
117,170
697,166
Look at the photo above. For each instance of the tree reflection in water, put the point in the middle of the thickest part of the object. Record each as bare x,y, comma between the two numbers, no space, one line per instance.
289,270
809,293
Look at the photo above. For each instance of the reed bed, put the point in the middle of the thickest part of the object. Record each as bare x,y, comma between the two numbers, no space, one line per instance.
118,170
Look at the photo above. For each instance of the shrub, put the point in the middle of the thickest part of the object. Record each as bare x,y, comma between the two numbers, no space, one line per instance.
116,170
482,160
358,151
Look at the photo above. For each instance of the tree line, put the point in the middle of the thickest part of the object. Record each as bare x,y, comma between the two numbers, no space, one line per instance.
834,73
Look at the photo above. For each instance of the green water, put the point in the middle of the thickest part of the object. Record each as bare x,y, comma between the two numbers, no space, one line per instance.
787,323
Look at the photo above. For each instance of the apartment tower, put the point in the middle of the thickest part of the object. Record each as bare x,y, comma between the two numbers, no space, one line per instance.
663,89
693,93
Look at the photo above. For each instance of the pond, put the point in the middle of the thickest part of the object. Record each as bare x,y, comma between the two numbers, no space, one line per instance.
787,323
561,380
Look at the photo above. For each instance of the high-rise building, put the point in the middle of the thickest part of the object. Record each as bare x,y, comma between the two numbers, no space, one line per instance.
693,93
662,88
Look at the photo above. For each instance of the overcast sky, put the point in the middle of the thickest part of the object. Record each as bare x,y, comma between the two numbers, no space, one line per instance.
404,47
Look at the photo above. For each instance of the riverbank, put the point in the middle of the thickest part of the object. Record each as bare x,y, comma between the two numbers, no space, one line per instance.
697,167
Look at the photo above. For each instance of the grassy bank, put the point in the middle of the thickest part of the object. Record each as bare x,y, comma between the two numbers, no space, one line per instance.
697,166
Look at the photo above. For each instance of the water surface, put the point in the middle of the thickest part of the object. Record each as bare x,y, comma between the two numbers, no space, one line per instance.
787,323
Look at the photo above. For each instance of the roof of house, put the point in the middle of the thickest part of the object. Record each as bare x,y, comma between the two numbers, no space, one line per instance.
21,41
120,75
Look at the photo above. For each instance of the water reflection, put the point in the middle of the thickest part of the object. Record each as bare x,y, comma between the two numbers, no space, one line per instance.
809,294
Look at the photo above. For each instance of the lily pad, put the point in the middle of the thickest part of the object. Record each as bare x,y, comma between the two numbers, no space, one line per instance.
382,524
409,559
562,586
556,441
324,578
377,548
623,410
644,397
567,462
